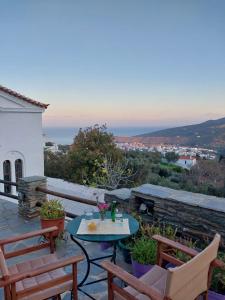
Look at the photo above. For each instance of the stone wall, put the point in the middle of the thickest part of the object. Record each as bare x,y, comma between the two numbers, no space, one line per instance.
29,199
196,214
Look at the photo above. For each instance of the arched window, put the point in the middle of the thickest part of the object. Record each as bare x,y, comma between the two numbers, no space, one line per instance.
18,169
7,176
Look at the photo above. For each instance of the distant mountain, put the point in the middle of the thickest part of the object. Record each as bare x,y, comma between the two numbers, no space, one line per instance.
209,134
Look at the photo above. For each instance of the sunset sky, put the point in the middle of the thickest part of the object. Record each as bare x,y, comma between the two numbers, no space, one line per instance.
120,62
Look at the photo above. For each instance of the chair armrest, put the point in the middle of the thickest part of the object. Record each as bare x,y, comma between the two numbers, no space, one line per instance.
189,251
28,235
175,245
47,268
131,280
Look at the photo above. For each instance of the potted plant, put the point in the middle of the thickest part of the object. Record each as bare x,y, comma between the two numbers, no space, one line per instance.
52,213
143,255
125,246
103,207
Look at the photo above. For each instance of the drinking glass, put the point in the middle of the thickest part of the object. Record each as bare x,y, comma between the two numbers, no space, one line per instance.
119,216
88,215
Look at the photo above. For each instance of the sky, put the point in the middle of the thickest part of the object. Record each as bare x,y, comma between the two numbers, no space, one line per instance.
119,62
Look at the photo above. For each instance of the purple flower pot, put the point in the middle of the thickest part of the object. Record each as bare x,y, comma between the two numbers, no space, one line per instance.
216,296
105,245
140,269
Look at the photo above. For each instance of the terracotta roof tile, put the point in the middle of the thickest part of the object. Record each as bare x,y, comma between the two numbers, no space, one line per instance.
22,97
187,157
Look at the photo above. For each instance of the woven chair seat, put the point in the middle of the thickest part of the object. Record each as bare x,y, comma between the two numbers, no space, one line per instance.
43,278
156,278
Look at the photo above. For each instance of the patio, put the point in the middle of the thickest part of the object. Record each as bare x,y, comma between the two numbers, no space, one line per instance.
12,224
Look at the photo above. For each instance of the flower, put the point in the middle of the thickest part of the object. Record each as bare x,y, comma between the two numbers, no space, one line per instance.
103,207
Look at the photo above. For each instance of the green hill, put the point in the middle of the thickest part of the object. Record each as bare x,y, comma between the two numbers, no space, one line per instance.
207,134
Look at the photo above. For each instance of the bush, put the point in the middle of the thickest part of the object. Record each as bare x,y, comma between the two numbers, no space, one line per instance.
144,251
148,230
181,255
52,209
164,172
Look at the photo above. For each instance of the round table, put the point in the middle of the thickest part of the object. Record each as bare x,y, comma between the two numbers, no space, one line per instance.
72,228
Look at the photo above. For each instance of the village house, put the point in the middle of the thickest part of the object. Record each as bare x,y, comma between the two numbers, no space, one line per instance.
21,145
186,161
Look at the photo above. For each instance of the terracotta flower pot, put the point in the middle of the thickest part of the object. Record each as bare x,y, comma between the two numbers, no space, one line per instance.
46,223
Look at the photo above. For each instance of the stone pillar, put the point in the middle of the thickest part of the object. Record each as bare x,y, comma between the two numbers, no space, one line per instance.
29,199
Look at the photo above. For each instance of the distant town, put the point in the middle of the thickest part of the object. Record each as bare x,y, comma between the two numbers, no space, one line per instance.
187,156
163,149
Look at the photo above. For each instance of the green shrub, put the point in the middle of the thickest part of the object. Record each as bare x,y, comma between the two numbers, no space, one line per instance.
52,209
181,255
148,230
144,251
168,231
218,279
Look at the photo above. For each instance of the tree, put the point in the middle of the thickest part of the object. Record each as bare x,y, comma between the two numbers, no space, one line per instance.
55,165
112,175
142,164
171,156
207,176
221,154
88,152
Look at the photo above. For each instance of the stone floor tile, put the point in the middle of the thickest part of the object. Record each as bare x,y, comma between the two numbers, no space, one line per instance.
11,224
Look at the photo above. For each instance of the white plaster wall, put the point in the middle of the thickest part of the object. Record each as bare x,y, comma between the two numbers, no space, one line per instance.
21,137
189,163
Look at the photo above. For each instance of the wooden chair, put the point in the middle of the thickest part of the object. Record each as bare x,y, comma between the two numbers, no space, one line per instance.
187,281
39,278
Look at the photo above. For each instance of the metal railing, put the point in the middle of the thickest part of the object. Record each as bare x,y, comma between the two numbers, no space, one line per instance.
9,194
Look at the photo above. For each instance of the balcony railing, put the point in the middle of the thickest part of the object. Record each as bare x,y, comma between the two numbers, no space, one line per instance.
49,192
9,183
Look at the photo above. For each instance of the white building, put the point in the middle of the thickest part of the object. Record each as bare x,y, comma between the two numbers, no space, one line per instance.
52,147
186,162
21,145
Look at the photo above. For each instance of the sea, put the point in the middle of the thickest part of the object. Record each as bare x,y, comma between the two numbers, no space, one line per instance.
65,135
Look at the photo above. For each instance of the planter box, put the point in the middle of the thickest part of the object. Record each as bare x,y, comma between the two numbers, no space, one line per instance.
140,269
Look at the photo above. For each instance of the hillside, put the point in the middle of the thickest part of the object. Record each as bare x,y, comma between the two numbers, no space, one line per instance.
207,134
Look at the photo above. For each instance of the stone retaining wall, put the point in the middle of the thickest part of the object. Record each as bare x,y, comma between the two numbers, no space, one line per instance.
196,214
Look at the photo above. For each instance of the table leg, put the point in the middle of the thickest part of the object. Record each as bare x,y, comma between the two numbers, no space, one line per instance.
88,261
113,259
93,261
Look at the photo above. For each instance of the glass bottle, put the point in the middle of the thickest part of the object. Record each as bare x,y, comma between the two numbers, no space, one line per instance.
113,211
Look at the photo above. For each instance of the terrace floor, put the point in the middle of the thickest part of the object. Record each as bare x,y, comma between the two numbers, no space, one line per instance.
12,224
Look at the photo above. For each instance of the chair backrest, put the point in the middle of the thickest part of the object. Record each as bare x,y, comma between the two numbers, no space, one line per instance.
4,272
191,279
